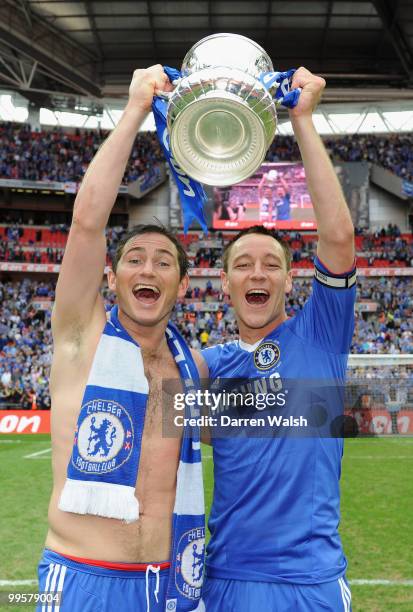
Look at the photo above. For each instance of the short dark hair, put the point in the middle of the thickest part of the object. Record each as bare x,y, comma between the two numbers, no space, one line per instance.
152,228
258,229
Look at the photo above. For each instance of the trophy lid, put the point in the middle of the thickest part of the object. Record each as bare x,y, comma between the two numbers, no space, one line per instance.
230,50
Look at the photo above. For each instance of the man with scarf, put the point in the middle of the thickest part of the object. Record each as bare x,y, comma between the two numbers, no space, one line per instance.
126,524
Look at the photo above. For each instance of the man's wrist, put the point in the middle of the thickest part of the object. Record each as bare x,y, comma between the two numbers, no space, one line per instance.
304,128
134,113
302,122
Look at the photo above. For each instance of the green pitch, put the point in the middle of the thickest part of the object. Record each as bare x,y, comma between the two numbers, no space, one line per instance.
377,494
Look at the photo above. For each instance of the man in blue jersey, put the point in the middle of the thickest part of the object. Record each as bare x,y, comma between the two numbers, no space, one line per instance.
275,198
274,519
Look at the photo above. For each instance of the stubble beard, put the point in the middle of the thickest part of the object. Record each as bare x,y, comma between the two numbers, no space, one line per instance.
146,323
268,321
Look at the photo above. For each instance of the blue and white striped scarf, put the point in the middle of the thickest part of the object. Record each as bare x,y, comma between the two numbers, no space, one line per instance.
103,468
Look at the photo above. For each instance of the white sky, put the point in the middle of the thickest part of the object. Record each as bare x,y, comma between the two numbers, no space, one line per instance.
330,119
14,108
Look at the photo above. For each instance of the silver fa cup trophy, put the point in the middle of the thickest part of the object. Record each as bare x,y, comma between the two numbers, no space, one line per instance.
221,119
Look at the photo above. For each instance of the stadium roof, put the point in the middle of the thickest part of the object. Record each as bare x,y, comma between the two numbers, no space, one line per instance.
90,48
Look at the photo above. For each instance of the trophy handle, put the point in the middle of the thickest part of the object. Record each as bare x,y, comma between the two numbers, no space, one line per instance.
166,95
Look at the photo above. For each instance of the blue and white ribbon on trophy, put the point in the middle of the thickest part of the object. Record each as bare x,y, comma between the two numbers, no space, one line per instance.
284,95
191,192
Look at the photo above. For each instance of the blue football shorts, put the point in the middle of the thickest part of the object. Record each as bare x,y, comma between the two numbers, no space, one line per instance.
81,587
243,596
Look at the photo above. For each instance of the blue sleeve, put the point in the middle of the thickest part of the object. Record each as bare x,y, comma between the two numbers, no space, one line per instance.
212,357
327,319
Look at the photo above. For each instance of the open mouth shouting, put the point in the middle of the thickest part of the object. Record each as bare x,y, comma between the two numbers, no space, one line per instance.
146,294
257,297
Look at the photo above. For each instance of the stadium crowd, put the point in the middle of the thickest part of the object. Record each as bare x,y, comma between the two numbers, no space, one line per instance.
384,247
20,243
394,152
387,247
25,343
59,155
204,317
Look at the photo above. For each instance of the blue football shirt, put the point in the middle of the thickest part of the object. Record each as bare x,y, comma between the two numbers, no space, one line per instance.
276,503
283,206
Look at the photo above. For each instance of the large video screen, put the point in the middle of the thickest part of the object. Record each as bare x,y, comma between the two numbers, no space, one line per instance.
275,196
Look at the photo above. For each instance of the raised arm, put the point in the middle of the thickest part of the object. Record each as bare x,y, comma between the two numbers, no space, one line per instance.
77,291
335,227
284,185
261,185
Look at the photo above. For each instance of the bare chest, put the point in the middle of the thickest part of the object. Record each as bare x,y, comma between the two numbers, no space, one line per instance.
159,458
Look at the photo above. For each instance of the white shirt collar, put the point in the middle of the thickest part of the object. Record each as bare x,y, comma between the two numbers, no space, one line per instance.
249,347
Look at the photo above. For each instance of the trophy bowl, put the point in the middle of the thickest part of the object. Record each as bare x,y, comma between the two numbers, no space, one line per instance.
221,119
